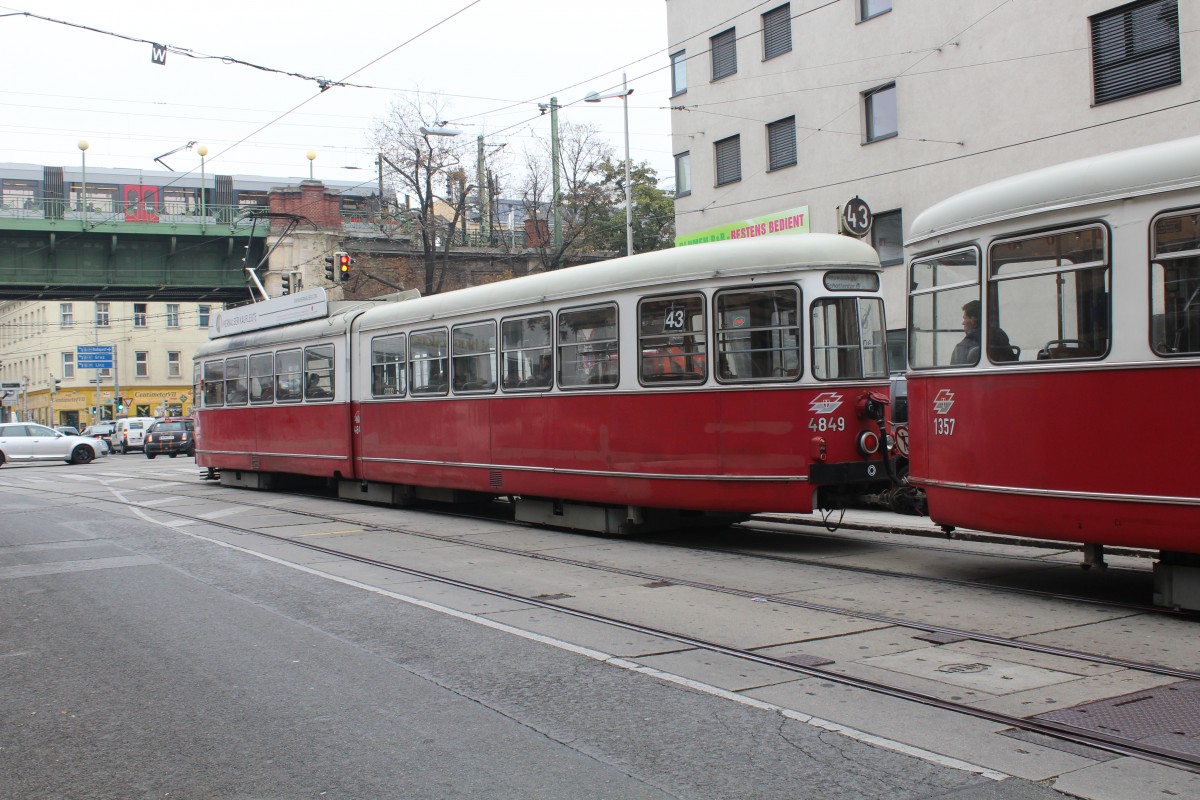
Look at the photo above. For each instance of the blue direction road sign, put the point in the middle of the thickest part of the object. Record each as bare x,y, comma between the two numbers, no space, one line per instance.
94,356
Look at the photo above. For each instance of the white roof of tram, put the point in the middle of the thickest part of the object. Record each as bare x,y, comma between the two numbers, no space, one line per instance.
662,268
1111,176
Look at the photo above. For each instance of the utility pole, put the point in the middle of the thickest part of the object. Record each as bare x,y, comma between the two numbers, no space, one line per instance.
554,167
485,210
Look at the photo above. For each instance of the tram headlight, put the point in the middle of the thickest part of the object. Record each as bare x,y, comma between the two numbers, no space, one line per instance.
868,443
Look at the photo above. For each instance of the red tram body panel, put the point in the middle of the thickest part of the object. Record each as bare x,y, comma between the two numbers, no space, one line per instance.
1054,353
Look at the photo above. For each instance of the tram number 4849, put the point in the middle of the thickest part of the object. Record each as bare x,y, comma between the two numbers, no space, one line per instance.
823,424
943,426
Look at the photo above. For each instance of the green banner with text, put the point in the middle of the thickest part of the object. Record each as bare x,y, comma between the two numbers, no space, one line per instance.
794,220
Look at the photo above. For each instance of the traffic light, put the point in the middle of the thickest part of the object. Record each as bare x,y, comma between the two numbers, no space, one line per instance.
120,404
343,263
286,284
331,267
54,386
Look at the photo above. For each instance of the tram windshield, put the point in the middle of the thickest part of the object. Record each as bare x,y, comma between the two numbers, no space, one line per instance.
848,338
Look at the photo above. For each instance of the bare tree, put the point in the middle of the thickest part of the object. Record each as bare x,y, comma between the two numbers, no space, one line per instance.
423,161
583,192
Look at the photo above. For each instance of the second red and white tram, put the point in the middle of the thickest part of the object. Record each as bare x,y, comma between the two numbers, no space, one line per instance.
732,377
1054,348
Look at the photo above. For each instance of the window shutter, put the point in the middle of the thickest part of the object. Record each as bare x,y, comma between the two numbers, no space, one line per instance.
729,160
777,31
724,54
1135,49
781,143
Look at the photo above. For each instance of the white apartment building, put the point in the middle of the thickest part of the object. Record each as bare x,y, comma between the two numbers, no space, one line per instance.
785,112
153,344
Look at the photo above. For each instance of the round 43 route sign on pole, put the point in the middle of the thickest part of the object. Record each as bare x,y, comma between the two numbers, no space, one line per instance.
857,218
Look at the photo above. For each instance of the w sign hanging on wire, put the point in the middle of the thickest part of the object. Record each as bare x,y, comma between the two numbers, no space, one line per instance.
158,53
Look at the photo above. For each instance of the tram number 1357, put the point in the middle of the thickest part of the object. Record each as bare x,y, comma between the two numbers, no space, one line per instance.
827,424
943,426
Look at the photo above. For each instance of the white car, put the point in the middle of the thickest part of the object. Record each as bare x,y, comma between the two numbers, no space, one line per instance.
28,441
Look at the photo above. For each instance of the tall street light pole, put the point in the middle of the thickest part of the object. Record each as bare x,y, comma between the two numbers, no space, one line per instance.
83,146
203,151
593,97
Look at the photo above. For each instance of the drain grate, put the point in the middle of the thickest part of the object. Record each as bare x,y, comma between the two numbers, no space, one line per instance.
1166,717
941,638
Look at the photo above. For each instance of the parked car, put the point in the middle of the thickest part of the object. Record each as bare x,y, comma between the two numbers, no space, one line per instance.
28,441
171,436
129,433
67,430
102,430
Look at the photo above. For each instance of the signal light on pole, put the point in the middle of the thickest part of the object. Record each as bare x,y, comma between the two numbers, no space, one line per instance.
343,265
286,284
331,268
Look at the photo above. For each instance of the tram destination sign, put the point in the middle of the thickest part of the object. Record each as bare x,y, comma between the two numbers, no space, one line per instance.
312,304
94,356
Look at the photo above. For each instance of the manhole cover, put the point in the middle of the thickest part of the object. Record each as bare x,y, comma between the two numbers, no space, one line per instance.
961,668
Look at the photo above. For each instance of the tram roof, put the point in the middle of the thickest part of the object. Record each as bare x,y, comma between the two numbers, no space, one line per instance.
1103,178
661,268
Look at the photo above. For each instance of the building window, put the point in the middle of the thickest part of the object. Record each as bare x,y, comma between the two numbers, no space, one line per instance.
880,107
887,237
729,160
68,366
678,72
781,143
66,314
141,364
1135,49
724,54
172,315
173,370
777,31
102,315
873,8
683,174
204,312
139,315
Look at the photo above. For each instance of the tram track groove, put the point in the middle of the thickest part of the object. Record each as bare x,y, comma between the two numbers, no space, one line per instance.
1055,730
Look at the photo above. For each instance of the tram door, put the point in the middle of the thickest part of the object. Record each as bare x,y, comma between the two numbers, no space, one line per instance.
141,203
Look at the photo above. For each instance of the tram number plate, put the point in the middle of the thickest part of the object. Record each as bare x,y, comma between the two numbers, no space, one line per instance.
823,424
943,426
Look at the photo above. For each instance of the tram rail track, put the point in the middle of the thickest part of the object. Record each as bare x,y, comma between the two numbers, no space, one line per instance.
1059,731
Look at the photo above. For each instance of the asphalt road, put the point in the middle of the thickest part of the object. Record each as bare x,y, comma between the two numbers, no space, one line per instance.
138,661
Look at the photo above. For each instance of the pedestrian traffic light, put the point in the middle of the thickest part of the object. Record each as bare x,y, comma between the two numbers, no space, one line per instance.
286,284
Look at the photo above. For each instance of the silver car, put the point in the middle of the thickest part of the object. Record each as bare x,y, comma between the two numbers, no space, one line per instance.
28,441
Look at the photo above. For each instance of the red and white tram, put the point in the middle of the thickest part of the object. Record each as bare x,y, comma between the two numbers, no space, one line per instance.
732,377
1054,349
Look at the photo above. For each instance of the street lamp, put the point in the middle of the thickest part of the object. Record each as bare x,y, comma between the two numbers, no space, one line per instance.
593,97
203,151
83,146
311,155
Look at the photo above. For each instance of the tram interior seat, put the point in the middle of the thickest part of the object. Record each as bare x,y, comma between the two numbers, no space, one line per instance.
1004,353
1065,348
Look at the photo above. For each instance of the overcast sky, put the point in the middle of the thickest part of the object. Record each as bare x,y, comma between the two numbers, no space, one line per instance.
492,63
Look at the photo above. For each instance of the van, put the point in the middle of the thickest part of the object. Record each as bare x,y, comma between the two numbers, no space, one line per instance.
130,432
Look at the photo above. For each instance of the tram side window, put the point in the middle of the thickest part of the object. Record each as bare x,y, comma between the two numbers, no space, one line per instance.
235,381
289,366
474,357
262,378
388,365
1175,285
941,290
318,372
672,338
1051,294
588,349
197,382
758,335
848,338
428,370
527,353
214,383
